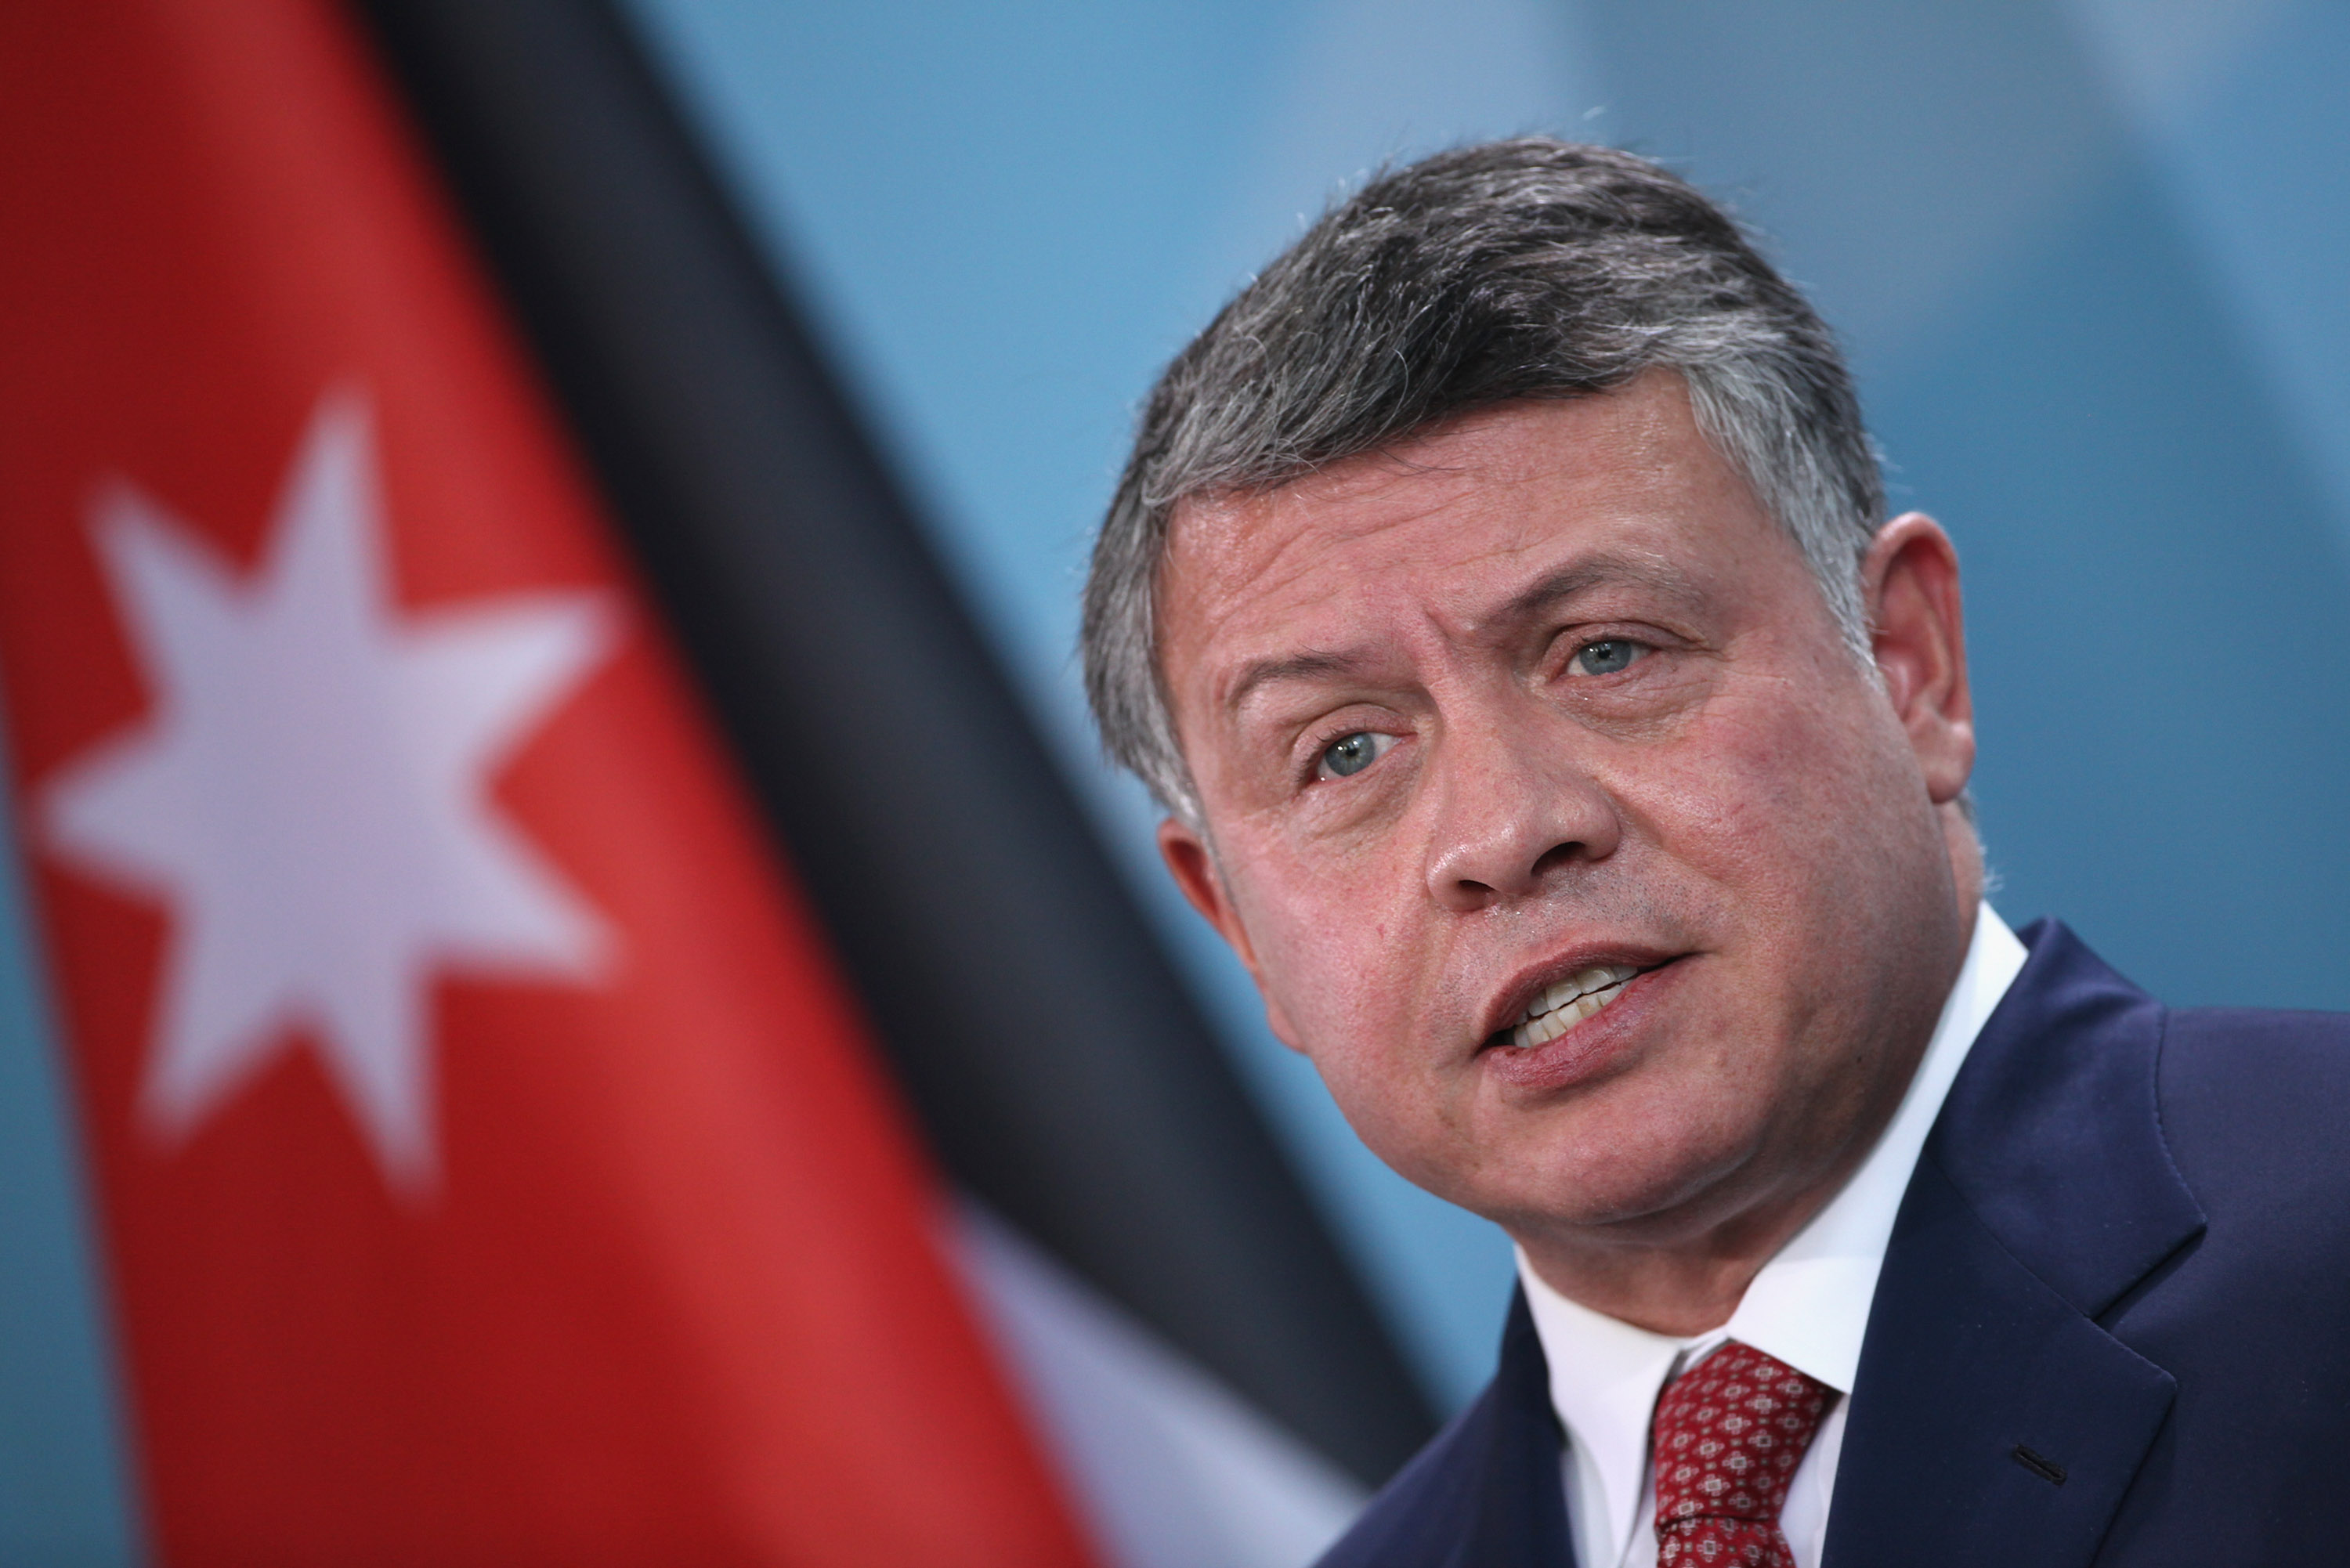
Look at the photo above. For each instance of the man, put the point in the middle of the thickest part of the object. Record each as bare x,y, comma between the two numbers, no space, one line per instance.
1498,601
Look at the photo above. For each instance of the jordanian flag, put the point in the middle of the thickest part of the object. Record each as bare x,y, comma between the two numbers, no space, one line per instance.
560,1072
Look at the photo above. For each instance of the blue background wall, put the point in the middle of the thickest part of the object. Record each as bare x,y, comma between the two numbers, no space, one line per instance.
2085,255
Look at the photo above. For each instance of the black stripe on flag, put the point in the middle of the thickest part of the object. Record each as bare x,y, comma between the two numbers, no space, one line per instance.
1061,1071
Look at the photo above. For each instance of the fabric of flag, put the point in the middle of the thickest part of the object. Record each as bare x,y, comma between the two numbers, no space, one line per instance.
490,1165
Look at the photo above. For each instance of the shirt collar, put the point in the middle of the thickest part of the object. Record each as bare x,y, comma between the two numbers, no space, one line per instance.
1809,1305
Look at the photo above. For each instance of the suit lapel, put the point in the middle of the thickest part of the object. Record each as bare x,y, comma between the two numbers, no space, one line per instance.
1979,1388
1521,1510
1992,1419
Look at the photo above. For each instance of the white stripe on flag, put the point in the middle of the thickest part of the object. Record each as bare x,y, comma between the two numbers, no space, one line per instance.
1172,1470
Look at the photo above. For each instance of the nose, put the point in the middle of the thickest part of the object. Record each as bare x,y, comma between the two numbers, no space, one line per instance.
1514,814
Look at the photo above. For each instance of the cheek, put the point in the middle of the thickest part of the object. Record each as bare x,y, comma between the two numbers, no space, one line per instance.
1782,799
1811,826
1321,947
1341,959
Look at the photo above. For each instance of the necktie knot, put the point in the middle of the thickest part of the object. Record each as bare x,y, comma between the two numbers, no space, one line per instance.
1728,1436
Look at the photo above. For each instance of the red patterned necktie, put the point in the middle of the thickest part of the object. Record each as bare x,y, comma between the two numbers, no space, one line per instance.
1728,1436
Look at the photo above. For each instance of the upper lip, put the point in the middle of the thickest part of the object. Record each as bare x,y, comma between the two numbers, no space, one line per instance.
1509,1004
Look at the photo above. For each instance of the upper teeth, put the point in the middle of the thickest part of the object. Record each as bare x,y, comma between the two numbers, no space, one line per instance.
1569,1003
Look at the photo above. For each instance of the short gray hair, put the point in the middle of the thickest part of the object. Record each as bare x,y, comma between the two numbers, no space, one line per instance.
1528,269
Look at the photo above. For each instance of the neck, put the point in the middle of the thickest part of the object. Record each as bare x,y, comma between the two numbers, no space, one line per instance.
1695,1282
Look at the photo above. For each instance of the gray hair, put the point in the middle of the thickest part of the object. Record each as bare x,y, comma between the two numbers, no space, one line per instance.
1528,269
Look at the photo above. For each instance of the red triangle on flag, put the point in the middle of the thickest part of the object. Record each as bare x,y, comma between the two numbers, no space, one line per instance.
492,1166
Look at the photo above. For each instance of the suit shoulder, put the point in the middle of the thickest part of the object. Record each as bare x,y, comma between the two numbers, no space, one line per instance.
2255,1107
1424,1510
2323,1037
2237,1063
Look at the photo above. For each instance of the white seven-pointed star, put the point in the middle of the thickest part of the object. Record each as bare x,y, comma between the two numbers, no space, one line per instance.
310,795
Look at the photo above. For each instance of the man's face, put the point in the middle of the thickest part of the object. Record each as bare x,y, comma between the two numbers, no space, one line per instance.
1541,700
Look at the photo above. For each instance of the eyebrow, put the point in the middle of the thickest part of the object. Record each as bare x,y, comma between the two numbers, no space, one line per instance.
1527,604
1289,667
1584,575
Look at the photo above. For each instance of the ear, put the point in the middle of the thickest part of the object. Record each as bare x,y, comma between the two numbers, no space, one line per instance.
1193,866
1918,631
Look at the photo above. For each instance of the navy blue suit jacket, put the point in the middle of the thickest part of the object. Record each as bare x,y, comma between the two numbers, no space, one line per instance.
2126,1252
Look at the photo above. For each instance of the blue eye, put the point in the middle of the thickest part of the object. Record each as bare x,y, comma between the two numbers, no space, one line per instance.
1352,754
1606,657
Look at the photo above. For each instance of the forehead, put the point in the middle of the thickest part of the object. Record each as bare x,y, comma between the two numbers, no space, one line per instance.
1454,529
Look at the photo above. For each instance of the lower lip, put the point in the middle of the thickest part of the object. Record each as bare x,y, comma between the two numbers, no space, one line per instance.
1592,1048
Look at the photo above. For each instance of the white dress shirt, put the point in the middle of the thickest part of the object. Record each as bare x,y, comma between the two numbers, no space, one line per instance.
1809,1307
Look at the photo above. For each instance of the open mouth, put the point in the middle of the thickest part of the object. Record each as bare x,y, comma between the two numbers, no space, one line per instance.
1568,1003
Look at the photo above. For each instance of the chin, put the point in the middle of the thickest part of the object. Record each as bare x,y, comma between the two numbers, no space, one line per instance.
1614,1180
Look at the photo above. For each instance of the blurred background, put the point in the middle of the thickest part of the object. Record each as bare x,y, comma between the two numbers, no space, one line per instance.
2085,255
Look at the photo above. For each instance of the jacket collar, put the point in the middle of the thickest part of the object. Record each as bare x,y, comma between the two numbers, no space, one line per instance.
1519,1520
2051,1132
1993,1421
